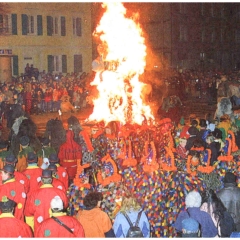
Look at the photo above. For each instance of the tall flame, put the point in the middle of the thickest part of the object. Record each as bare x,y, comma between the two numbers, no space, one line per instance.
124,51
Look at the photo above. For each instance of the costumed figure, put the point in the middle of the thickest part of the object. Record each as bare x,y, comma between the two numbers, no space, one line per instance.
44,153
69,153
3,152
19,176
61,173
171,108
224,106
59,225
23,153
24,127
80,187
10,226
33,172
56,133
38,203
110,185
14,190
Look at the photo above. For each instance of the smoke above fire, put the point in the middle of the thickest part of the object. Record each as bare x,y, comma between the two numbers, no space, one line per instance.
122,52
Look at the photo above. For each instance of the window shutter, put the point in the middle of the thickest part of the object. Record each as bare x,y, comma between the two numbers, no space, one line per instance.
39,25
79,26
77,63
50,64
24,24
14,24
63,26
15,65
49,25
64,63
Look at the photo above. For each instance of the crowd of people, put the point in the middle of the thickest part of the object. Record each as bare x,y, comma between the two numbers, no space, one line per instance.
91,186
44,92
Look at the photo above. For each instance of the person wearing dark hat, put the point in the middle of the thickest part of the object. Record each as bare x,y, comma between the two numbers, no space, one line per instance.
56,182
45,151
22,155
193,132
10,226
230,197
214,147
190,228
19,176
38,202
3,152
13,190
59,225
33,172
203,132
217,134
61,173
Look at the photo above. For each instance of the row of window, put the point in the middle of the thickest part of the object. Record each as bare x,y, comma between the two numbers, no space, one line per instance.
33,25
204,7
56,63
183,35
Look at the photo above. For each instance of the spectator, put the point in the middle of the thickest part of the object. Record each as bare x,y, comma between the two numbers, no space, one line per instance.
193,132
131,207
190,228
59,225
181,148
193,202
230,196
219,214
95,222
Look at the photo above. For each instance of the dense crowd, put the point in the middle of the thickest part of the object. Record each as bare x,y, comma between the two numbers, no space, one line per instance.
173,179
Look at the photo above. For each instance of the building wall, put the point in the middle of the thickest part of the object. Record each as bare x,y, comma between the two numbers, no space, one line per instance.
180,33
34,48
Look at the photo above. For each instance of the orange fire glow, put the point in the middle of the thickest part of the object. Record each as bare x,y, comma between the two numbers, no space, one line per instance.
123,50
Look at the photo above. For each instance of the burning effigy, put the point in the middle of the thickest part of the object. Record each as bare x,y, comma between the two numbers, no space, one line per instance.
128,149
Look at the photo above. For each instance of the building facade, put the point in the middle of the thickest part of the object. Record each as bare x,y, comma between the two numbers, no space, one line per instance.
197,35
55,37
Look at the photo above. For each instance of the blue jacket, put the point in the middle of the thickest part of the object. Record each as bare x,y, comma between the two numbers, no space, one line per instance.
208,228
121,226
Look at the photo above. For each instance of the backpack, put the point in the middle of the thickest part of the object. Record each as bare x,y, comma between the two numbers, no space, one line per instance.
134,231
226,224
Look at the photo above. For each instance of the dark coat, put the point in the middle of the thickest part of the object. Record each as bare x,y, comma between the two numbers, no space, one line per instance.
230,196
208,228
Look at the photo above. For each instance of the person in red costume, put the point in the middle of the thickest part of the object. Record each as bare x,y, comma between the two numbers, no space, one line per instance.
19,176
51,228
61,173
33,172
13,190
38,203
69,153
56,182
11,227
